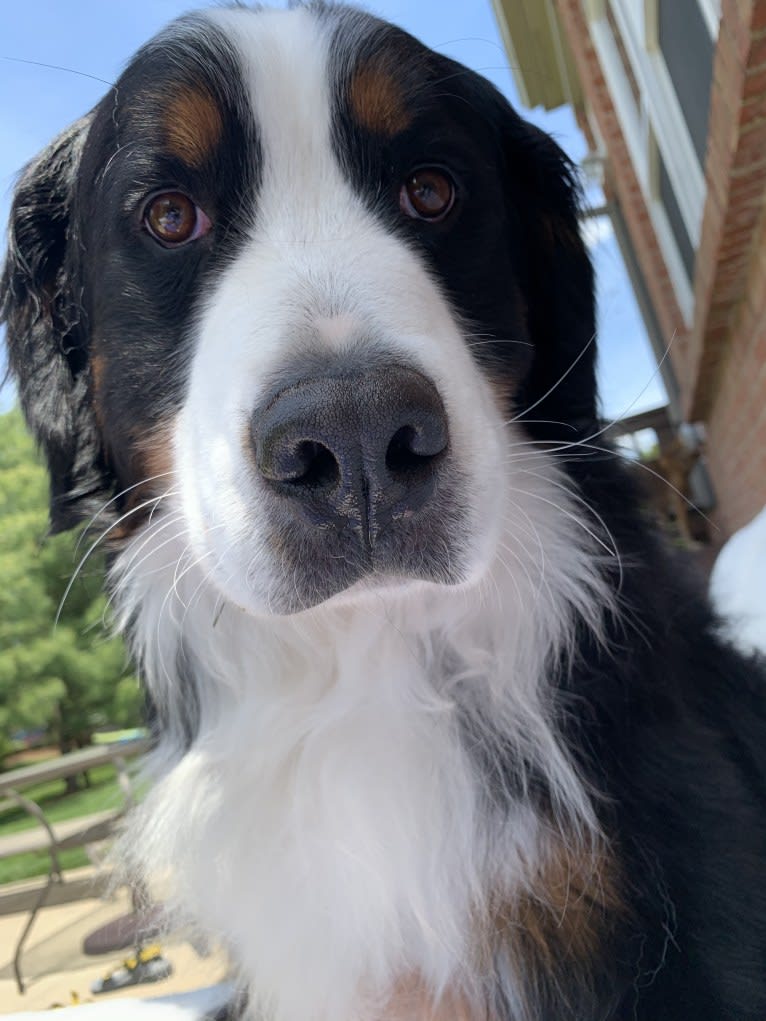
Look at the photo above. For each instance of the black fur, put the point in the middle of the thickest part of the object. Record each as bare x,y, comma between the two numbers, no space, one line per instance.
670,724
41,305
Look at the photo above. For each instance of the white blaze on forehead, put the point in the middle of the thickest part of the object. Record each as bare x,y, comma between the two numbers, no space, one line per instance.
317,253
285,57
312,232
337,331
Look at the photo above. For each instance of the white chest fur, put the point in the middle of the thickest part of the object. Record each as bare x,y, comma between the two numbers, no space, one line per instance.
330,820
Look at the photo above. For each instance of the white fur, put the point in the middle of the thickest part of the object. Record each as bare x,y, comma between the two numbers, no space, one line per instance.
329,820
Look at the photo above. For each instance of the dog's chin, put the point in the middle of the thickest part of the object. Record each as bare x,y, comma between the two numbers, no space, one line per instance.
369,589
282,596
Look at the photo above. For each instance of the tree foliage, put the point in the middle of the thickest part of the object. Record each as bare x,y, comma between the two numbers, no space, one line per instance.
65,679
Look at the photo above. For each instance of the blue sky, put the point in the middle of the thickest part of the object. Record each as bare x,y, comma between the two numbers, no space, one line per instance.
97,38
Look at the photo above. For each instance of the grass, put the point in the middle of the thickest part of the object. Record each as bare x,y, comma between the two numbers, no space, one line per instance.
104,793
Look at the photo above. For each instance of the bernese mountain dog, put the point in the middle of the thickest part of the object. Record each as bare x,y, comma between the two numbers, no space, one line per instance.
302,319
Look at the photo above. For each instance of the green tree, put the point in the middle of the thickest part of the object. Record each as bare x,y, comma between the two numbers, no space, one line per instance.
66,679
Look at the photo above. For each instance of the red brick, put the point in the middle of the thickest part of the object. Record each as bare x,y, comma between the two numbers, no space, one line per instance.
725,100
755,304
758,20
745,211
737,451
735,242
721,146
735,24
728,72
718,184
754,84
750,188
751,151
759,355
757,55
751,123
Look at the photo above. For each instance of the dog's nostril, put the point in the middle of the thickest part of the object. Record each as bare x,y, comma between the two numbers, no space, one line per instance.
315,465
301,462
412,448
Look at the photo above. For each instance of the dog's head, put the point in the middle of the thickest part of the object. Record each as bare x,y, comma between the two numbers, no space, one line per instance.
292,279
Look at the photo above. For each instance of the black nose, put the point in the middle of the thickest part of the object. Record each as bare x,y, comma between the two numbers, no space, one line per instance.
357,451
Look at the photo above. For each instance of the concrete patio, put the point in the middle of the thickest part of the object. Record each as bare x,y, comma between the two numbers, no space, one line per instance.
58,972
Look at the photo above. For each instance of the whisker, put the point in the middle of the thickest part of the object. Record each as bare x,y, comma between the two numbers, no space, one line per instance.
155,528
575,495
481,341
132,566
568,514
534,534
203,582
592,450
178,577
522,565
93,547
511,574
558,383
57,67
117,496
624,412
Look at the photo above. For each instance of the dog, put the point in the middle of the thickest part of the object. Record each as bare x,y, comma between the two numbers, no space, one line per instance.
303,322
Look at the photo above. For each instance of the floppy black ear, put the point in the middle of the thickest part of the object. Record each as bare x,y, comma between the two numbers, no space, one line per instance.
556,276
46,332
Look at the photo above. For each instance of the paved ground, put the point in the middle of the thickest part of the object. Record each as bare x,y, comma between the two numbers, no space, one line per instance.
55,966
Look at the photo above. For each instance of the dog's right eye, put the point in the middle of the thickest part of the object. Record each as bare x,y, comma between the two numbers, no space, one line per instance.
173,219
427,194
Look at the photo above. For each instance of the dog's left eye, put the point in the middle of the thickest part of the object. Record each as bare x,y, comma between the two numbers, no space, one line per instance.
427,194
173,219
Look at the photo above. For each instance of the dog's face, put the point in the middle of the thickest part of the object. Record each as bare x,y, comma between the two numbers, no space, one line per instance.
290,281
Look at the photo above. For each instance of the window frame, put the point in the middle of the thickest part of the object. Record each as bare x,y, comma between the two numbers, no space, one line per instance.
659,118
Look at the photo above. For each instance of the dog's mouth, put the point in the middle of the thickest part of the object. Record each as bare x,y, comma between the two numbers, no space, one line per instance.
316,563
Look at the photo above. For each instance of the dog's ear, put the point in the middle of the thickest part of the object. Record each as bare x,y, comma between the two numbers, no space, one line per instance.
543,196
46,332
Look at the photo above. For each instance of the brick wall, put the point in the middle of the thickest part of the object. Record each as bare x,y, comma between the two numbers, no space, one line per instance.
721,361
725,372
736,420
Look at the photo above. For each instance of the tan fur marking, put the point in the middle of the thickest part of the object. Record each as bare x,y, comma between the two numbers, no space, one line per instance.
559,923
411,1001
377,101
193,126
154,454
151,465
97,366
565,914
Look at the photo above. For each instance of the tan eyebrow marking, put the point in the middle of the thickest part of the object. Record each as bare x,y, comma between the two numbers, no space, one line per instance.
193,125
377,100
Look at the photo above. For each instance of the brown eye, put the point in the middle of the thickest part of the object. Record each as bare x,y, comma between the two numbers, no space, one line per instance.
173,219
428,194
